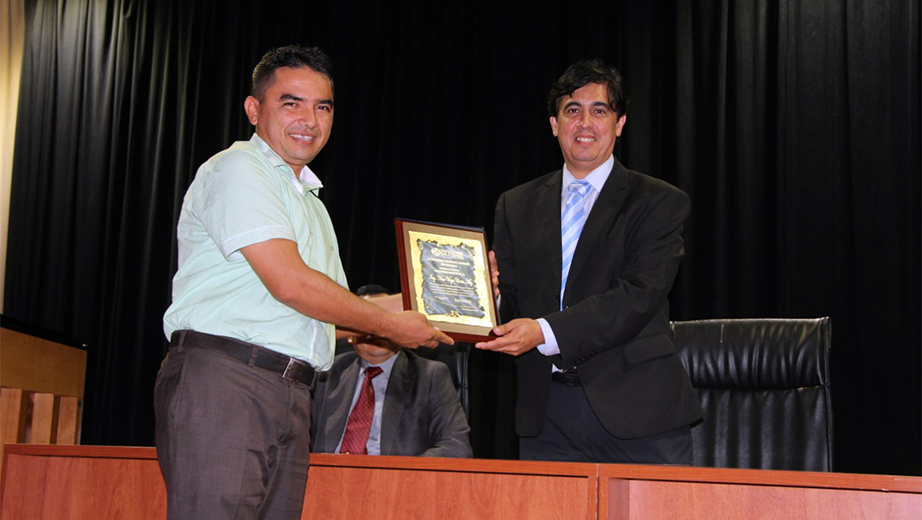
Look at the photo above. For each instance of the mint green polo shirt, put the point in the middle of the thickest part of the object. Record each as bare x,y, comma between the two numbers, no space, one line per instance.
244,195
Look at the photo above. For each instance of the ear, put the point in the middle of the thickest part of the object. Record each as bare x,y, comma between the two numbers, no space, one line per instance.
620,126
251,107
553,125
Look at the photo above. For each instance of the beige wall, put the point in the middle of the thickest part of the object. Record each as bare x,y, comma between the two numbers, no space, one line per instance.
12,31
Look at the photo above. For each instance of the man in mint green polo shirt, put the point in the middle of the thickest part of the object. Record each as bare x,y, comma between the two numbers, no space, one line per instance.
258,293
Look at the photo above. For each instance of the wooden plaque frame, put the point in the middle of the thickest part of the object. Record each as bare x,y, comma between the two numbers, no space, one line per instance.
459,326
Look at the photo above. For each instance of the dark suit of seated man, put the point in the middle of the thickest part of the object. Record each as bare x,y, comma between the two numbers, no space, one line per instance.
416,407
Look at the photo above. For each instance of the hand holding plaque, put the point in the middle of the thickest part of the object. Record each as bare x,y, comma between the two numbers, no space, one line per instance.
445,275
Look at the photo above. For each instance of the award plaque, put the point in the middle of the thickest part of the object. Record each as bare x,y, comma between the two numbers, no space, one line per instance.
445,275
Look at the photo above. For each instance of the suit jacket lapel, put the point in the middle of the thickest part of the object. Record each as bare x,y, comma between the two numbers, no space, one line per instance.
548,224
398,388
603,214
338,399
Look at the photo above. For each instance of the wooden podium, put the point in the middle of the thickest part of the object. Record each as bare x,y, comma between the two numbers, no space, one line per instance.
41,390
93,482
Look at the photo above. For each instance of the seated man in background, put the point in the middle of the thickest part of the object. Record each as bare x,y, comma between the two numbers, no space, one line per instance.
383,400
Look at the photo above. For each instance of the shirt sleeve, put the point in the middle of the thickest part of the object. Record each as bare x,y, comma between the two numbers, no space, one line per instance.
242,203
549,347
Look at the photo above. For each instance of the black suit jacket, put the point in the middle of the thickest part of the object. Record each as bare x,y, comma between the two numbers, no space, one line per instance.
614,327
422,413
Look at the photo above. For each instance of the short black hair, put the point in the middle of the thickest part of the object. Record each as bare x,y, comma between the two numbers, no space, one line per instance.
371,289
583,73
293,56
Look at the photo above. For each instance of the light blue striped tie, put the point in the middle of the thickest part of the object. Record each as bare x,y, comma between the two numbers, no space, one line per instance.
571,225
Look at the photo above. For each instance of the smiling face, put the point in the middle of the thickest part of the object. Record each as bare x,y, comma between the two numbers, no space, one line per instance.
587,128
295,116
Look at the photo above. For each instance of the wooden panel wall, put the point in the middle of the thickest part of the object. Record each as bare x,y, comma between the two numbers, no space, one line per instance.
343,487
93,482
635,492
81,483
708,501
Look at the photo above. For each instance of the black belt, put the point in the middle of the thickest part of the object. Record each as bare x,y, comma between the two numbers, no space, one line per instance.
289,368
566,378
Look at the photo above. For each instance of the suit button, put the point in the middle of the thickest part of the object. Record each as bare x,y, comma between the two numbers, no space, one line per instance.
557,298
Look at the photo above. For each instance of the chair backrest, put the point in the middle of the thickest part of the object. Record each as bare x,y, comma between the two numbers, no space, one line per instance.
454,356
764,386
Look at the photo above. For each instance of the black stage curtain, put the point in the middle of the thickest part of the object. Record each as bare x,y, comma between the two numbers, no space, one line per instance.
794,127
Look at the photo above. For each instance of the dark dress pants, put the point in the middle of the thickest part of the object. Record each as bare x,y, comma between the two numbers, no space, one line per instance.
232,440
573,433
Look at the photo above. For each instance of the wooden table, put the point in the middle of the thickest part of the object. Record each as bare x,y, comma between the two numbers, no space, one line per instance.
105,482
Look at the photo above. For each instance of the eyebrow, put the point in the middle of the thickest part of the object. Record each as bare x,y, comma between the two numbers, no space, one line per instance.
292,97
592,104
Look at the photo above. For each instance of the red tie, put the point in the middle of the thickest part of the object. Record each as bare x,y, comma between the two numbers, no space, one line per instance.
359,424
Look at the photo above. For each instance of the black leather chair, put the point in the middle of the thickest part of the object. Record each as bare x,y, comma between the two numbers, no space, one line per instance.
764,387
455,356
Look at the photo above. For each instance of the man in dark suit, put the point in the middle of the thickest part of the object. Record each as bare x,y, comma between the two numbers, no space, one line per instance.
416,408
584,260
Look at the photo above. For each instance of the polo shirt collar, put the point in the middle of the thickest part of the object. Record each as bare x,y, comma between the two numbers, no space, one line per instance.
306,180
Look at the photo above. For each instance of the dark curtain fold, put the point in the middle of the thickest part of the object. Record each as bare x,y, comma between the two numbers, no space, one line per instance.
794,127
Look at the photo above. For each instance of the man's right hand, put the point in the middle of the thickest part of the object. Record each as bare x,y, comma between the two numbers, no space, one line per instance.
412,330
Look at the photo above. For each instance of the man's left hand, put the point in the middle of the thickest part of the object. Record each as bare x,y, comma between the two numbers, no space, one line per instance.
494,273
515,338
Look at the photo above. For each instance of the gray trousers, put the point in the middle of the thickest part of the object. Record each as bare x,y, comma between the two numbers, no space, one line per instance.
232,440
